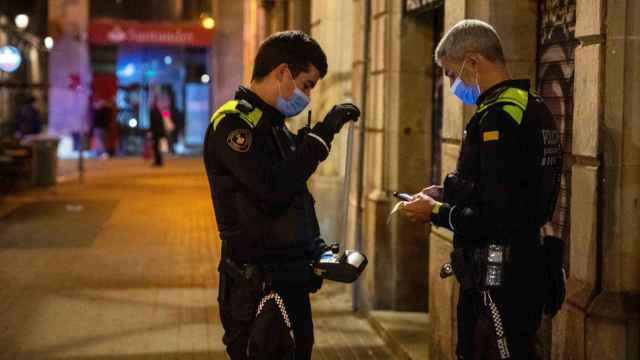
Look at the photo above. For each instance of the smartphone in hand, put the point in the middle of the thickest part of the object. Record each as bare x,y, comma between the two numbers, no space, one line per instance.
402,196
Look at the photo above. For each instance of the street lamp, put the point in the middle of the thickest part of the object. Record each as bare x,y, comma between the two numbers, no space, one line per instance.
22,21
208,22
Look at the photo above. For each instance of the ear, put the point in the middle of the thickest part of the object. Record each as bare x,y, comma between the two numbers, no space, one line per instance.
280,71
474,59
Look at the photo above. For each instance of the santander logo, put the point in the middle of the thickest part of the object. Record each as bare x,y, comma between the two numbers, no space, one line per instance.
117,35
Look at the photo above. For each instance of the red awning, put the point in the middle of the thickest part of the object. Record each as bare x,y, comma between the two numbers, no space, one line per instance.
109,32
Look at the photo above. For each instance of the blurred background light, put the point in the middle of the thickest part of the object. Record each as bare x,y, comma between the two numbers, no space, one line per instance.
128,70
48,42
22,21
208,22
10,58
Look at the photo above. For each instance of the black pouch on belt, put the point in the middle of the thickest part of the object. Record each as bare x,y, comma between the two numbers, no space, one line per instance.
458,263
240,290
555,275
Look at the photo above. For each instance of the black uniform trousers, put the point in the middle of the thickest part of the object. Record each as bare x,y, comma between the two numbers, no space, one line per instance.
298,306
479,343
520,303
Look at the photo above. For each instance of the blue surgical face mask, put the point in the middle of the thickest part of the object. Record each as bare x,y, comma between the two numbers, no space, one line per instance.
295,104
468,94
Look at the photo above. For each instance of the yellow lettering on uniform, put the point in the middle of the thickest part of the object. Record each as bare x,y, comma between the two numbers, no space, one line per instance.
490,135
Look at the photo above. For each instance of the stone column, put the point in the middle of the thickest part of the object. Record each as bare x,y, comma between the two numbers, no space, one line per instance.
583,278
227,60
408,132
69,67
443,296
276,12
255,30
613,318
332,28
397,154
299,15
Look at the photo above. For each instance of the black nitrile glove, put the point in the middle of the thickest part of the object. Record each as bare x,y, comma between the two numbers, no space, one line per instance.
335,120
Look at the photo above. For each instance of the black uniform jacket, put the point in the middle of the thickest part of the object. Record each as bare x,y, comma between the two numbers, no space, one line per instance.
507,178
258,176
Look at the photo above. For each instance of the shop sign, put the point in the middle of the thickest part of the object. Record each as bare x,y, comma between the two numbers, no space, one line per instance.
123,32
10,58
413,6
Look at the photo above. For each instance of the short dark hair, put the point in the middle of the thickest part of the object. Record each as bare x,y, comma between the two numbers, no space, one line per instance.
294,48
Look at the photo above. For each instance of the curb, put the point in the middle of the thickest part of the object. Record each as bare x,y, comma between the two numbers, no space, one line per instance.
395,347
401,339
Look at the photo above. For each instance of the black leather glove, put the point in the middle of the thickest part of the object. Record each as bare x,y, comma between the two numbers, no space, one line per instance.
335,120
340,114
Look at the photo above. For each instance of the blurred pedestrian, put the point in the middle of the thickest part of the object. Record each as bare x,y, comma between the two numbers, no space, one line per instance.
111,140
179,121
28,120
102,117
158,132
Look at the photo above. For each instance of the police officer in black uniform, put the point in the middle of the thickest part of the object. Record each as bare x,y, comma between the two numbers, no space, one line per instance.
503,190
258,171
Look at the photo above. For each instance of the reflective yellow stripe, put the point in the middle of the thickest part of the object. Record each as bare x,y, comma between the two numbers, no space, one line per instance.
230,107
515,112
514,102
490,135
436,208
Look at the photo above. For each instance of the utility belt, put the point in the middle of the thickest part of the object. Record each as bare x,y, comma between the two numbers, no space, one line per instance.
488,266
491,266
295,273
480,268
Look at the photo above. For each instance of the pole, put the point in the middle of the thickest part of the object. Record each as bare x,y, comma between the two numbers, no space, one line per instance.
344,224
357,287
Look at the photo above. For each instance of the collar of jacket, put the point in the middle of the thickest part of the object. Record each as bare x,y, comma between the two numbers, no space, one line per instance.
493,92
268,112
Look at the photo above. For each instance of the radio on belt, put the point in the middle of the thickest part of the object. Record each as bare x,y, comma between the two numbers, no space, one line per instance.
338,266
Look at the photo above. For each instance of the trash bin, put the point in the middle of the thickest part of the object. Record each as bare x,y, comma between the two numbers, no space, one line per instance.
45,161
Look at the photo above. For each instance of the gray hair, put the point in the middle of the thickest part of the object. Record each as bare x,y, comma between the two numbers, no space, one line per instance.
470,36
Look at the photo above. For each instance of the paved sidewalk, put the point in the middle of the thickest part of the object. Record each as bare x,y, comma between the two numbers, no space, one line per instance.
123,267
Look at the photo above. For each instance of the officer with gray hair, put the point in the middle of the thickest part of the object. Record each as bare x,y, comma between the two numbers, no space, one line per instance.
504,189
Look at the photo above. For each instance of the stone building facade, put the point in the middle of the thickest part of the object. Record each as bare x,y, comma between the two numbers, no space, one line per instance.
582,57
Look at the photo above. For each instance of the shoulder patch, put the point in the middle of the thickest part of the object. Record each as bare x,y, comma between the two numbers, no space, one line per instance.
240,140
490,135
514,111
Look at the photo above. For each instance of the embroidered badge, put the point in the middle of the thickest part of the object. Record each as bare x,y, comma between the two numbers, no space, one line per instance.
240,140
491,135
